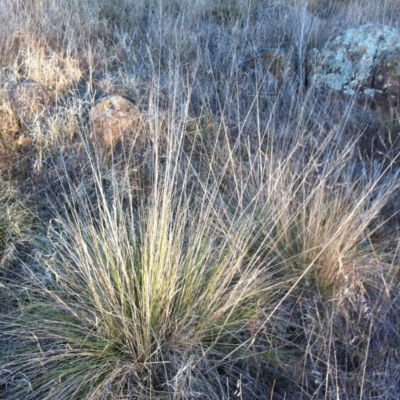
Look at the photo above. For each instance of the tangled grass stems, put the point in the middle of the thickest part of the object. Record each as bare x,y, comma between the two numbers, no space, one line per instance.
134,295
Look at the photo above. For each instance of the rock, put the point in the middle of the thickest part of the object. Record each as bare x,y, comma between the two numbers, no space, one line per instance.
386,72
276,64
113,119
28,99
363,59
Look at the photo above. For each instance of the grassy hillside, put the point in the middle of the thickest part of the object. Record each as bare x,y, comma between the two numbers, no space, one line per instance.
241,242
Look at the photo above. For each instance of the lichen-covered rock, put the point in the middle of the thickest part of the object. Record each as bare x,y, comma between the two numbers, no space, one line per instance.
113,119
363,59
386,72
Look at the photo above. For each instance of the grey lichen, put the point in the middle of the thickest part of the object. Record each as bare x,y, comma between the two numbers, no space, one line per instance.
350,61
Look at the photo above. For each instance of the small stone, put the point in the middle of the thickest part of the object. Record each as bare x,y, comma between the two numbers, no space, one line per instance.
113,119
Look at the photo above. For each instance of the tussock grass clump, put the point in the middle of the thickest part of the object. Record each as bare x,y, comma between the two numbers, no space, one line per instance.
150,302
321,213
315,216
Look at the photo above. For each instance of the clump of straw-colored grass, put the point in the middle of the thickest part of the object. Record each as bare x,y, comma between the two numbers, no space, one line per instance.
144,301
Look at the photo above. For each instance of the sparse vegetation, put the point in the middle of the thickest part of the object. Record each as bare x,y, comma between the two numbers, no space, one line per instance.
240,242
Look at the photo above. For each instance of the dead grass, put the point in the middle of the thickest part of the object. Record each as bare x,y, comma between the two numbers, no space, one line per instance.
246,248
